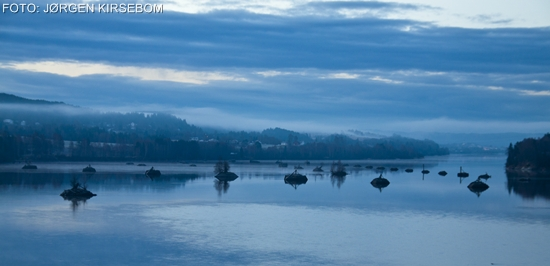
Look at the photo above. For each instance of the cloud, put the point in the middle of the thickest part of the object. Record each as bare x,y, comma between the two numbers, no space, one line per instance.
324,71
389,81
534,93
470,14
272,73
491,19
341,76
77,69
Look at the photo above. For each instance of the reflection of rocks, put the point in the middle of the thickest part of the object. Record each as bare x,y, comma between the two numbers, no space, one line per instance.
477,187
529,185
380,183
295,183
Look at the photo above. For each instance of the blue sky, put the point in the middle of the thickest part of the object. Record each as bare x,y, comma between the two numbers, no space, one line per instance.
311,66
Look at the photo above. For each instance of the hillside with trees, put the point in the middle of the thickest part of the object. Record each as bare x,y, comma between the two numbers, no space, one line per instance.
530,155
46,131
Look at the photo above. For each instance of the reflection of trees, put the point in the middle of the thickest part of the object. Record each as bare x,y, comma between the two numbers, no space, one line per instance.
75,203
109,181
528,186
221,186
31,180
339,180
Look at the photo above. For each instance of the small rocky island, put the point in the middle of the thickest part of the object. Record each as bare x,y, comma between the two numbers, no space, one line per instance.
295,179
152,172
477,187
380,182
338,169
88,169
29,166
530,156
222,171
77,192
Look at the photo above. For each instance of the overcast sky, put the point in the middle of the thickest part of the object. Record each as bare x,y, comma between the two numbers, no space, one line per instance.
313,66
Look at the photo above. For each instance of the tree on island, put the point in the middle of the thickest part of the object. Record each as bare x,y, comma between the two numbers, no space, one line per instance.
338,169
221,167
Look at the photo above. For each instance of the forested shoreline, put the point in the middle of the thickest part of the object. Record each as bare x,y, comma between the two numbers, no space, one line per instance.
530,155
53,131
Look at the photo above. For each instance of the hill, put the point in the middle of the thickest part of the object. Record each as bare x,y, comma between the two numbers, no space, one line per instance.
530,155
43,130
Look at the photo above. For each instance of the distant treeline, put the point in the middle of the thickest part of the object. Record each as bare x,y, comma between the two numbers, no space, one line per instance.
96,144
533,154
42,130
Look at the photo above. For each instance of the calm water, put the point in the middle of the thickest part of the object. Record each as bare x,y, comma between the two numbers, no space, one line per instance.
186,217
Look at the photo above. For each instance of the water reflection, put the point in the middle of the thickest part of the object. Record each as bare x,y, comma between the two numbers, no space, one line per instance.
221,182
102,181
529,185
30,180
75,203
221,186
462,175
338,180
295,183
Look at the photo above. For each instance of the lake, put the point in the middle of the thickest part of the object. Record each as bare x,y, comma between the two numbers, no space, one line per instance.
188,217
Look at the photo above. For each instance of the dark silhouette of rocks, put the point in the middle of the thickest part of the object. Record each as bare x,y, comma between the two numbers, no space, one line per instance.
484,176
477,187
295,179
77,192
462,174
88,169
29,166
424,171
152,173
318,169
380,182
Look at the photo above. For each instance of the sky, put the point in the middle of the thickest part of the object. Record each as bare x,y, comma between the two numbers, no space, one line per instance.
309,66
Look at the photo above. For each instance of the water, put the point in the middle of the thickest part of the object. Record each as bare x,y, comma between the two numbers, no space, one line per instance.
185,217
